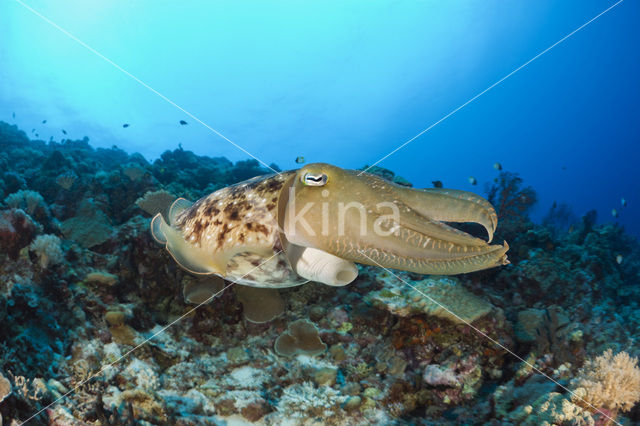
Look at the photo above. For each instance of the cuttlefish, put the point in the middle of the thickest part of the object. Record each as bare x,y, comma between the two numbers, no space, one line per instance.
317,222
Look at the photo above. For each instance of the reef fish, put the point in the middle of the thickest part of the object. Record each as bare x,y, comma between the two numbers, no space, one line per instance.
315,223
299,160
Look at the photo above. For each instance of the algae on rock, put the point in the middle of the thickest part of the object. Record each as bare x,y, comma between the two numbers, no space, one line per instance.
443,297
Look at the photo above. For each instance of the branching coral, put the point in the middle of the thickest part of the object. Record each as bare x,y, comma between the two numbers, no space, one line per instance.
609,382
512,203
303,399
560,217
508,196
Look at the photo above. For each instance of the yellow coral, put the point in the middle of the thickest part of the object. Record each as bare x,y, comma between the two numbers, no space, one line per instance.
611,382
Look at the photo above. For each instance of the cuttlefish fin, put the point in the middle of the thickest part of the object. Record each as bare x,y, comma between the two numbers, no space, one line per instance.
157,229
452,205
190,257
178,206
202,290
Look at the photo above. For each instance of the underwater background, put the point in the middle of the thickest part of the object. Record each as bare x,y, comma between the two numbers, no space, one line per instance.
111,110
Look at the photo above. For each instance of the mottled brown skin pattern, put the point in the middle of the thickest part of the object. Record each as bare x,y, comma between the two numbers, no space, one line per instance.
242,218
239,214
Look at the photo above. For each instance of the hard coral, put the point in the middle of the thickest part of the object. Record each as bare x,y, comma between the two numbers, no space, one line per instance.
260,304
5,388
443,297
300,338
306,401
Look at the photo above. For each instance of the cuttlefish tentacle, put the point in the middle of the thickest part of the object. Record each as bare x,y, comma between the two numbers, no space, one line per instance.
452,205
411,239
438,204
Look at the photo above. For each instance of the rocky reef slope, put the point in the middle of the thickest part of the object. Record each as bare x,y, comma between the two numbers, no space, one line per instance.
95,329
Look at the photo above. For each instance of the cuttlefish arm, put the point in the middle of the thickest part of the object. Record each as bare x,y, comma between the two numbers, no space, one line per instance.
451,205
364,219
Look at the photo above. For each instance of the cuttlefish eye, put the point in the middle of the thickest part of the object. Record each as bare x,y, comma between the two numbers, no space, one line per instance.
313,179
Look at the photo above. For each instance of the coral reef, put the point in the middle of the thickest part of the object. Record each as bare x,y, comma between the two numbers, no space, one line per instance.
92,307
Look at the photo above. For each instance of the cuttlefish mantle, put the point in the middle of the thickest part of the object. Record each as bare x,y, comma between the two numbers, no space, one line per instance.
317,222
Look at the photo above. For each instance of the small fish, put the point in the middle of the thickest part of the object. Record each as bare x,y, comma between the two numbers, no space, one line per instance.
184,123
44,121
623,202
13,115
497,166
437,184
614,212
125,125
64,131
619,259
37,135
472,180
564,167
299,160
33,130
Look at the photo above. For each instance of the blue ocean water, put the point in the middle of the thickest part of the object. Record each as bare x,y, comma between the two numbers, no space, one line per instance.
347,84
118,304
